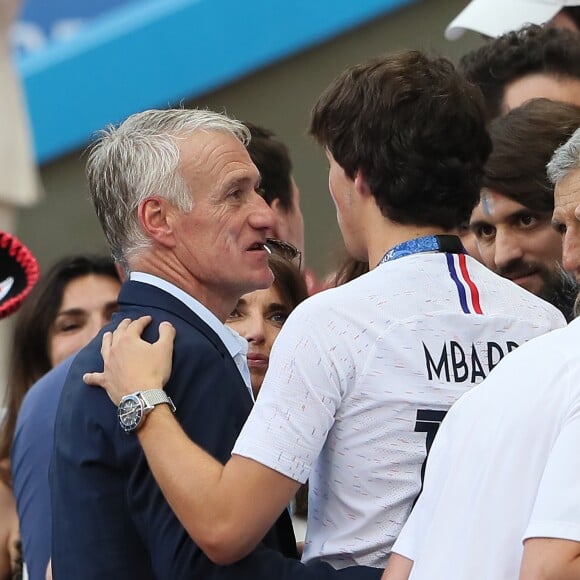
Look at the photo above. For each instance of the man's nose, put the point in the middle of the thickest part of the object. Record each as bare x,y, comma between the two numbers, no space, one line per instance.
507,248
262,216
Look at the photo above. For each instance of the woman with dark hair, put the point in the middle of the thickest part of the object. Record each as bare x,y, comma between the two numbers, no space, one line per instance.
260,315
62,313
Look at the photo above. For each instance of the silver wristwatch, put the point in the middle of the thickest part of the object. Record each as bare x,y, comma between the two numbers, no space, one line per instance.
133,408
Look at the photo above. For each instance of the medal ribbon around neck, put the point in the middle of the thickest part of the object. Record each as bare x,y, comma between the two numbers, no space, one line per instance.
443,243
457,266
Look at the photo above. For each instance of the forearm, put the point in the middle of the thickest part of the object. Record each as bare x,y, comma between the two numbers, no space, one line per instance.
551,571
550,559
562,571
215,504
570,571
398,568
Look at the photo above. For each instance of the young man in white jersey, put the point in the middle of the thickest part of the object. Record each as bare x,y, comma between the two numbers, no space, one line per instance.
362,374
504,466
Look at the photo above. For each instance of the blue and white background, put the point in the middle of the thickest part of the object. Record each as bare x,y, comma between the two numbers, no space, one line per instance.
87,63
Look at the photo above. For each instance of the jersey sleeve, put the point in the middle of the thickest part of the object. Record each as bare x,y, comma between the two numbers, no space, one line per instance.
302,391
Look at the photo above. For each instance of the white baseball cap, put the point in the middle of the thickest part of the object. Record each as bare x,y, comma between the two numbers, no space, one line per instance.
496,17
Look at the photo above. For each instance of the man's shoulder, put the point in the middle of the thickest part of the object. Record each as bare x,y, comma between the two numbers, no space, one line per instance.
500,295
139,299
339,296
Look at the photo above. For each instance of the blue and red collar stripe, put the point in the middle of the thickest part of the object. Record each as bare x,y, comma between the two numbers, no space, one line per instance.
466,288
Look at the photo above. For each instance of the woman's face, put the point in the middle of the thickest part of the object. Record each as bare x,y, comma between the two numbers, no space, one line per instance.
87,305
258,317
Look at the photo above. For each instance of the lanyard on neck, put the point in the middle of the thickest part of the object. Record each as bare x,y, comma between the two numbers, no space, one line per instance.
442,243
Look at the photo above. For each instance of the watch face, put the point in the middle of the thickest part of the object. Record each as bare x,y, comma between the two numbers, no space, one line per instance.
130,412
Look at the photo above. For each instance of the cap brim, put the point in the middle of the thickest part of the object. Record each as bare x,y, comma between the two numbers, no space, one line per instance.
18,273
496,17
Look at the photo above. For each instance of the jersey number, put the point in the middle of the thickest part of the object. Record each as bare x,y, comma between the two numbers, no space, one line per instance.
428,421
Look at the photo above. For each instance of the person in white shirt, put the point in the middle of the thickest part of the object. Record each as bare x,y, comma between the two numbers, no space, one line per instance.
504,466
361,375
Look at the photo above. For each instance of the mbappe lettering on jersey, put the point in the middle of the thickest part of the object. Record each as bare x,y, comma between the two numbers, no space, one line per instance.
452,361
454,364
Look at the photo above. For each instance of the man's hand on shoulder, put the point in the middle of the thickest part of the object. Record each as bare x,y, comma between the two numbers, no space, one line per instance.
131,363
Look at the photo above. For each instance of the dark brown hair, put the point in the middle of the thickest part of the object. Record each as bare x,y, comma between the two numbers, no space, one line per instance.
533,49
415,128
288,280
523,143
272,159
573,12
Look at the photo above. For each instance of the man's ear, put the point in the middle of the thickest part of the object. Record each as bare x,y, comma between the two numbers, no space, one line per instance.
155,217
277,208
280,213
361,185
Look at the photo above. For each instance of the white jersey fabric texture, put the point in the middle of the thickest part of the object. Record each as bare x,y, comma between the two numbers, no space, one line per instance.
359,379
504,467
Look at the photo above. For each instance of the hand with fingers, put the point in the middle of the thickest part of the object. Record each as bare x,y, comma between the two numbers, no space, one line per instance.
130,362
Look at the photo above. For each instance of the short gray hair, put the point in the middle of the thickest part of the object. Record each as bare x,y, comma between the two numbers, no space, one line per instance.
565,159
139,159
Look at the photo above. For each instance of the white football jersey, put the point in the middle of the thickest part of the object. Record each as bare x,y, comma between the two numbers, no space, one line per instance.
360,378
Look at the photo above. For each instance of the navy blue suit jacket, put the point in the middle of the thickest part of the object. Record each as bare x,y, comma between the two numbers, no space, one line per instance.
110,519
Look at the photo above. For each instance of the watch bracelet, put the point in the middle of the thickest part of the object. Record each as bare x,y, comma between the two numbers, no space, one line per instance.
156,397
